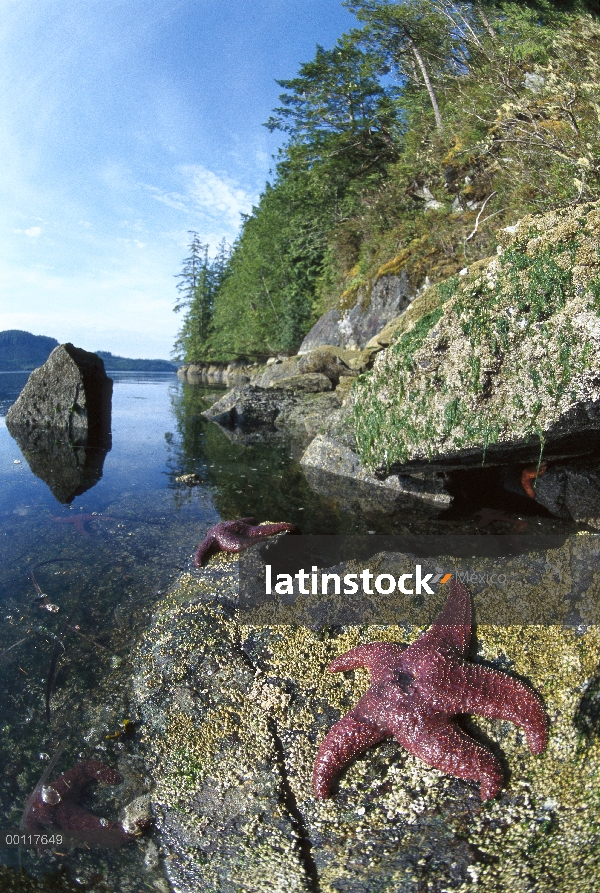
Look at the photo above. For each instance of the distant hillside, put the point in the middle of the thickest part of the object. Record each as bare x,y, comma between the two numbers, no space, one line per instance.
122,364
22,352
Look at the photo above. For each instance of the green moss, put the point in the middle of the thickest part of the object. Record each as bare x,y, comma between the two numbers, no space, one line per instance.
508,348
406,347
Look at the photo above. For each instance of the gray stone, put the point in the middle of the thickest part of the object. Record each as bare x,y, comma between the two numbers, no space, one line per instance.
311,383
236,373
250,408
325,362
353,328
572,491
69,396
326,454
136,816
252,414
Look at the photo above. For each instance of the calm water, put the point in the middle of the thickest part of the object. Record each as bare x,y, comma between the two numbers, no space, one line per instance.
104,561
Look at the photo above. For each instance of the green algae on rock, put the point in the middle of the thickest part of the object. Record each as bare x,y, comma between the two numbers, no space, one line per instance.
503,362
235,704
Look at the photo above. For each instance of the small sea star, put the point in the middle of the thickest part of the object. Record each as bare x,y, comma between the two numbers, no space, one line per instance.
234,536
56,805
79,521
532,474
417,692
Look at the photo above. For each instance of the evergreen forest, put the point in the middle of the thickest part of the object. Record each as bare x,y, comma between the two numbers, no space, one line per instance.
406,146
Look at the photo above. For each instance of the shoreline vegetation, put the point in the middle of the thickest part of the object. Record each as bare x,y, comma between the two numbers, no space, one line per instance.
425,131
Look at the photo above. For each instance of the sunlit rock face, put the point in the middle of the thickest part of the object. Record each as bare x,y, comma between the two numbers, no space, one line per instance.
498,364
69,395
61,421
360,317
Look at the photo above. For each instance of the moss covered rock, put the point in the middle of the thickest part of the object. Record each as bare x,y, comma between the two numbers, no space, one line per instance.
498,364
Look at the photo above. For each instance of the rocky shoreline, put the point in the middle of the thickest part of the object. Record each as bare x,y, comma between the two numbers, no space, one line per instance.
498,367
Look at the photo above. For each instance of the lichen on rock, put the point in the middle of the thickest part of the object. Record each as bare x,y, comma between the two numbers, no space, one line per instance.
504,362
235,703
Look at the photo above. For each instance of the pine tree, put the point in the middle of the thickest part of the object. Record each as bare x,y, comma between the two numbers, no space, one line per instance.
199,281
414,38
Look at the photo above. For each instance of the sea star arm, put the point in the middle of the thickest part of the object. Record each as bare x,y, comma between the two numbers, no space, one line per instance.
272,529
469,688
439,742
206,548
452,627
380,658
344,741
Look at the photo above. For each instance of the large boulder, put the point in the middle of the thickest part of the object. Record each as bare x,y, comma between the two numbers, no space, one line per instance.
504,362
353,326
69,397
234,704
250,408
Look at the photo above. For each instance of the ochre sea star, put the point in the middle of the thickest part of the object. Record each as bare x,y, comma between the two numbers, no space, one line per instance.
530,475
234,536
56,805
415,695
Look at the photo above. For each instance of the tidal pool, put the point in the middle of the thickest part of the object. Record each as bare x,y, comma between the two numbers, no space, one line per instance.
103,563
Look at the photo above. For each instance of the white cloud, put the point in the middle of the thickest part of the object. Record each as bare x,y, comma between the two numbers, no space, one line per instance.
213,193
124,309
219,198
33,232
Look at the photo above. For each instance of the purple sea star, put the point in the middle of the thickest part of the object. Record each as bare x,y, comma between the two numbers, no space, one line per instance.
79,521
56,805
234,536
417,692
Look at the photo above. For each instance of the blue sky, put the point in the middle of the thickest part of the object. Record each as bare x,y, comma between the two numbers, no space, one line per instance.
126,123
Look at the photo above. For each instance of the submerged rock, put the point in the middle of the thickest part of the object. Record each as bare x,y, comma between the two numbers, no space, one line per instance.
69,396
502,364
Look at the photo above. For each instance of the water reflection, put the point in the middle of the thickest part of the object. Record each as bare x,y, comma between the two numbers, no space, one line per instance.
67,469
69,458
